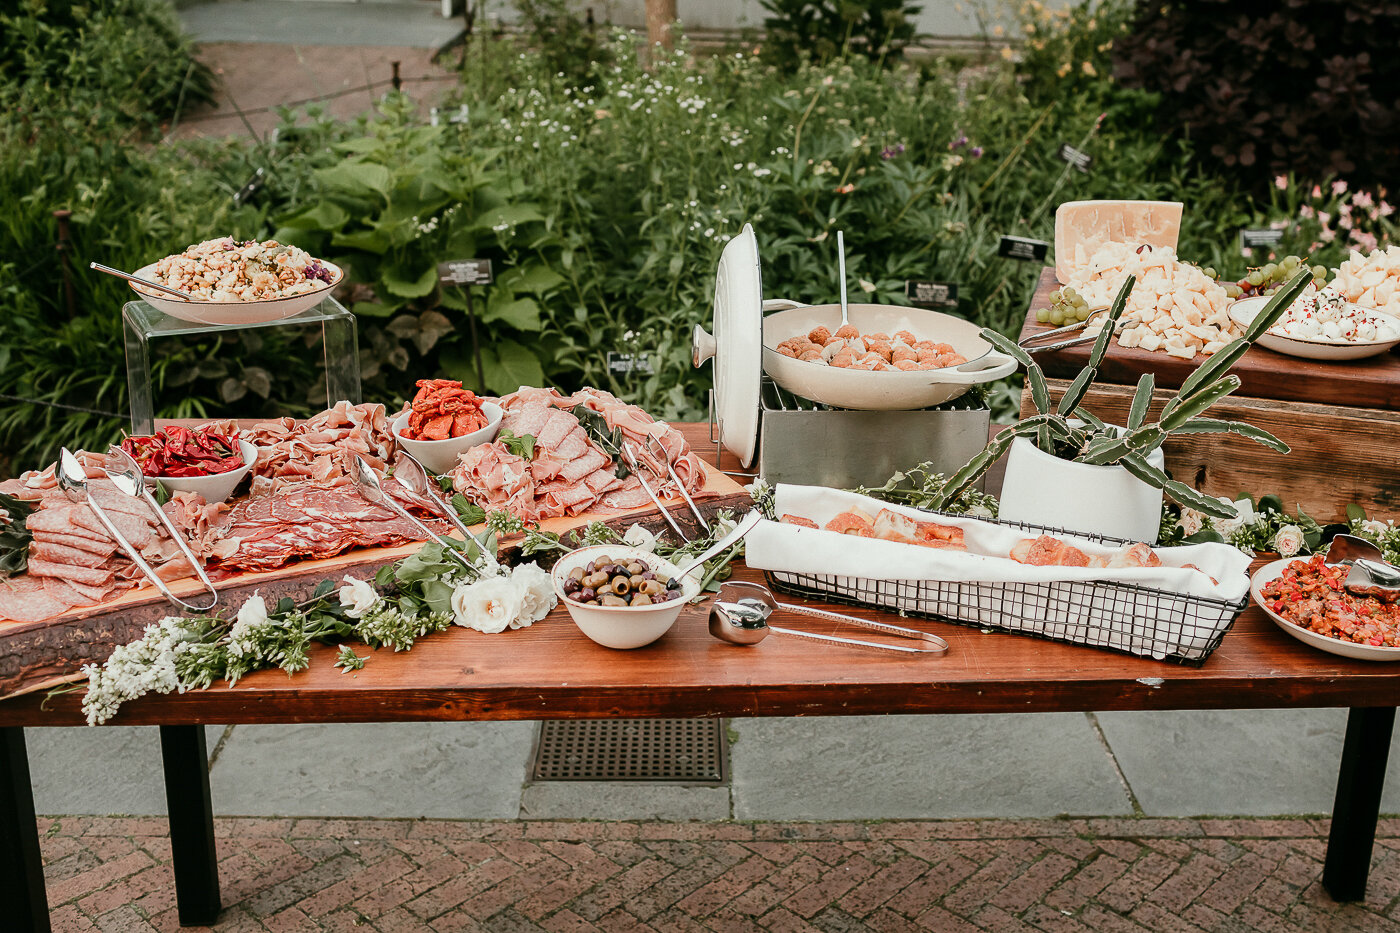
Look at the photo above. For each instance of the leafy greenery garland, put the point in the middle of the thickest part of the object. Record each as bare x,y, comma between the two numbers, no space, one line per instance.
14,535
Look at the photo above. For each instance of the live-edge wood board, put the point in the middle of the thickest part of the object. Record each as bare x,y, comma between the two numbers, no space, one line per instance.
41,655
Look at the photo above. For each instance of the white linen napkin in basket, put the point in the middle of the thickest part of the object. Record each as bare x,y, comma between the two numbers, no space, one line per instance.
788,548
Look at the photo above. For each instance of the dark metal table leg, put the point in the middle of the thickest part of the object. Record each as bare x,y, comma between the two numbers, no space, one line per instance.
1358,803
191,824
22,895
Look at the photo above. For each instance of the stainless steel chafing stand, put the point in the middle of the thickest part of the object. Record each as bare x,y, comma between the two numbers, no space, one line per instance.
807,443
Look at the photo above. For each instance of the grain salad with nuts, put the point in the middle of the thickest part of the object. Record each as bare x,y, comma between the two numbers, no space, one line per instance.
226,269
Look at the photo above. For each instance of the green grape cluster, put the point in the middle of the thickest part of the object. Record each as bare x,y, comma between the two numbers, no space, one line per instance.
1066,307
1268,278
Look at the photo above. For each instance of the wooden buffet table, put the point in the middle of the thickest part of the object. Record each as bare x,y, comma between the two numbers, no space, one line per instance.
551,671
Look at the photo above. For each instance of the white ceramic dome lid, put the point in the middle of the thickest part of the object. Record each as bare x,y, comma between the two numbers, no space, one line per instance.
738,345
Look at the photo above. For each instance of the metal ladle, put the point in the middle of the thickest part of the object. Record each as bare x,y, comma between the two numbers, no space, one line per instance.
1370,574
416,479
72,479
371,489
741,610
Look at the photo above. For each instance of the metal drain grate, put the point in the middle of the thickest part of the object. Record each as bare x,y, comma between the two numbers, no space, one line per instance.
685,750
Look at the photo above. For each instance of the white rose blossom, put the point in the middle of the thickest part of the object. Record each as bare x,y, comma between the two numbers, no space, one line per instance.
639,537
1244,516
1191,521
488,605
357,596
1289,540
251,615
1372,527
537,590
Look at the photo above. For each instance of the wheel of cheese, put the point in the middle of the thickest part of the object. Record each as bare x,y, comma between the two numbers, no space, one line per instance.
1081,227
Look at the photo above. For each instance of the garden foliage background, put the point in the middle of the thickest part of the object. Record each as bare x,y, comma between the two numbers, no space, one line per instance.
603,192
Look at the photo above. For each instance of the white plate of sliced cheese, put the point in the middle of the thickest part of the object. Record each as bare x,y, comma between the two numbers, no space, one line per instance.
1339,349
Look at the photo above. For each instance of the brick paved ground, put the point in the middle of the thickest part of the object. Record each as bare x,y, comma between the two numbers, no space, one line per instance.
1059,876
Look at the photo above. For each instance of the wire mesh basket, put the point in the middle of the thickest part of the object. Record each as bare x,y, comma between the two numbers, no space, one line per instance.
1123,617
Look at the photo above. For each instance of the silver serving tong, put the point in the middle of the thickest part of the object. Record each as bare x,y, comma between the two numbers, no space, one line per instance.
658,451
629,455
1032,343
72,479
741,610
370,488
417,479
1370,575
129,478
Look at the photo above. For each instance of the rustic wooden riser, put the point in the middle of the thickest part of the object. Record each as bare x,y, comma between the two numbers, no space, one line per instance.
1340,455
1372,383
40,655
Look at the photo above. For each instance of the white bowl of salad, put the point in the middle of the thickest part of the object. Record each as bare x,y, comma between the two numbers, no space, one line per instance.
239,282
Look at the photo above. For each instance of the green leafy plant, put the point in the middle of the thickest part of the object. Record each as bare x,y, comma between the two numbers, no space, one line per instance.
822,30
1093,442
14,535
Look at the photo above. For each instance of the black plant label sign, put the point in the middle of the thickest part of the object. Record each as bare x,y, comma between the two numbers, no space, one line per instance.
1250,240
249,189
465,272
931,294
624,363
1023,248
1076,157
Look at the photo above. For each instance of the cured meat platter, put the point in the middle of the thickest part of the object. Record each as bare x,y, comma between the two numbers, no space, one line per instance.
303,521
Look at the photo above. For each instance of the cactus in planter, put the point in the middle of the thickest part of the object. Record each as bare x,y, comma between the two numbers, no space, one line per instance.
1091,441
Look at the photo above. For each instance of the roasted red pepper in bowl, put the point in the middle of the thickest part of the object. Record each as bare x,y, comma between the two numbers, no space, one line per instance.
180,451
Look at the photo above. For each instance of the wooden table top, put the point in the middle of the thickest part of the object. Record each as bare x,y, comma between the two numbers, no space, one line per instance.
551,670
1370,383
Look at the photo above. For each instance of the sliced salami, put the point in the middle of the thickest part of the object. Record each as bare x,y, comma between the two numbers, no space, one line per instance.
90,575
26,599
62,554
104,548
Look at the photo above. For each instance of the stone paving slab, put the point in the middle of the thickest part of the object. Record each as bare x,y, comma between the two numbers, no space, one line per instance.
1057,876
454,770
896,767
1265,762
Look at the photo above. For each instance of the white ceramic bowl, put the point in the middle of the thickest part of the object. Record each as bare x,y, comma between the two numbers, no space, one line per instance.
441,456
1345,649
1242,312
235,312
624,626
216,488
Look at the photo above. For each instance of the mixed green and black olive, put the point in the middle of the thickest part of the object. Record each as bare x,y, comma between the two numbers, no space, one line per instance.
606,582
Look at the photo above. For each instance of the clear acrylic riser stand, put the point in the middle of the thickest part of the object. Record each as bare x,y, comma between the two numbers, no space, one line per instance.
143,325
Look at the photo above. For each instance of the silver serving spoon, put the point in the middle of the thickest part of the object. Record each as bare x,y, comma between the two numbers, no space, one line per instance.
841,271
72,479
741,610
748,523
1370,574
370,488
128,478
418,480
140,281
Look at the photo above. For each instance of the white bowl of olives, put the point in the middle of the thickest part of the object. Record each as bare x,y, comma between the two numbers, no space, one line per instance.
622,597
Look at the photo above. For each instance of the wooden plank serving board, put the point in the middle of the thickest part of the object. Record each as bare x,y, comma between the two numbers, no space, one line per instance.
40,655
1368,383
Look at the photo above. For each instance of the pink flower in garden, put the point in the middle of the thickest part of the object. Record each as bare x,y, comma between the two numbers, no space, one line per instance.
1280,182
1323,218
1306,212
1362,199
1315,247
1339,187
1317,191
1246,252
1366,241
1386,209
1099,122
1327,235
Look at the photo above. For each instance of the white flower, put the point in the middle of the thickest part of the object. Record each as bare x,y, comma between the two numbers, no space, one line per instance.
488,605
1372,527
538,591
251,615
1288,541
253,612
1244,516
358,597
1191,521
639,537
979,511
